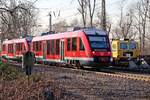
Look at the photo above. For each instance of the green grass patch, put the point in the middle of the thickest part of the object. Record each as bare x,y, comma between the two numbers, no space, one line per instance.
8,72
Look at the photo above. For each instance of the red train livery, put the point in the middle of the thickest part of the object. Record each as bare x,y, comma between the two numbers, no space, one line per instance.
13,49
90,47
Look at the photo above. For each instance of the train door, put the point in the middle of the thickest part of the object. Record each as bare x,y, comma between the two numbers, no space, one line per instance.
44,49
62,50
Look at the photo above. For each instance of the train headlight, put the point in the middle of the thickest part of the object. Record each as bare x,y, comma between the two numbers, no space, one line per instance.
111,59
93,52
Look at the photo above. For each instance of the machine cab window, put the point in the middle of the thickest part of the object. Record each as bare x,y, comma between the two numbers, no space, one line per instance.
123,45
132,45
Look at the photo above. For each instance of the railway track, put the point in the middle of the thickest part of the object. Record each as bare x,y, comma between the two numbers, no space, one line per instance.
103,72
117,74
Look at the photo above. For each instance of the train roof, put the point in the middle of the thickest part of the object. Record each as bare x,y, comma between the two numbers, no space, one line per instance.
123,40
94,32
14,41
77,33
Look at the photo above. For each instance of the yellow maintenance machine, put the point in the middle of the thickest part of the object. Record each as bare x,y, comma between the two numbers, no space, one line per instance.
123,50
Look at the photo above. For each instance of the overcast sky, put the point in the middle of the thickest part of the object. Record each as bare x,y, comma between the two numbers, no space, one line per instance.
68,9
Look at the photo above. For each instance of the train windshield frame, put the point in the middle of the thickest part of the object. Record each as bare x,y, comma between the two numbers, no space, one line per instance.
98,41
123,45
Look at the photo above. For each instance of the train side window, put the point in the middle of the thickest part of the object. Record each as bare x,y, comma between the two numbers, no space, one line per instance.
48,47
40,46
3,47
57,47
81,45
33,45
68,44
24,48
52,49
21,44
16,47
36,46
10,48
74,44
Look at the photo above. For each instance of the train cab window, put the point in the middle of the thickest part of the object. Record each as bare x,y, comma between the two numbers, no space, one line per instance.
98,42
48,47
52,49
74,44
81,45
68,44
57,47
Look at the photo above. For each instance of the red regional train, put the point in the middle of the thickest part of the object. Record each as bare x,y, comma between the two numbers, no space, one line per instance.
14,49
85,47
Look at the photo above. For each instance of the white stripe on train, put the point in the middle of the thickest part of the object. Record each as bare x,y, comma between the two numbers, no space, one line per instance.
67,58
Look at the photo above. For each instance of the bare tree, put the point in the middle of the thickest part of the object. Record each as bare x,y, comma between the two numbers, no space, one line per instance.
83,10
74,23
91,10
141,18
125,22
98,22
61,26
16,18
103,15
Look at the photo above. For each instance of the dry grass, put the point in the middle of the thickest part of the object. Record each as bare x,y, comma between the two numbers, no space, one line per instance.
19,89
15,86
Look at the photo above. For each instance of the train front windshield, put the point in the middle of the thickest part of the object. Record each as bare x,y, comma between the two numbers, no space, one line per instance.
98,42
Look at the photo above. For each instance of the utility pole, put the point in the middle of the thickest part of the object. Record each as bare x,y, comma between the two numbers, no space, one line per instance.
103,16
12,3
50,22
